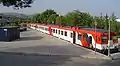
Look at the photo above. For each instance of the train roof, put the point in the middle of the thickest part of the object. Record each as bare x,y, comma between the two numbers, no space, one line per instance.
80,28
93,29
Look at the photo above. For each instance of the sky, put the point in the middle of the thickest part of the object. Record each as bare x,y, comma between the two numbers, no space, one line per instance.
94,7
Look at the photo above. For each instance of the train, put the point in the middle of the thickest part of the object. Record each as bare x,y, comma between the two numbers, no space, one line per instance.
96,39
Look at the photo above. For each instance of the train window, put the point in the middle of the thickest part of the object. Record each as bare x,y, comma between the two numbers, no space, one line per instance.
104,37
65,33
71,35
36,26
42,28
46,29
53,30
79,37
90,39
56,31
115,39
61,32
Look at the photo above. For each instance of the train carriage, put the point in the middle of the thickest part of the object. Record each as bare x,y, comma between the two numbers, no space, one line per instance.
86,37
43,28
97,39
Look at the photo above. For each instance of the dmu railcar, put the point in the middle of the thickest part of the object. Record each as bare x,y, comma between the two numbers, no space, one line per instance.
86,37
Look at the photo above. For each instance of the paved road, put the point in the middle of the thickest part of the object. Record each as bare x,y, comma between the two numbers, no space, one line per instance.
52,52
46,60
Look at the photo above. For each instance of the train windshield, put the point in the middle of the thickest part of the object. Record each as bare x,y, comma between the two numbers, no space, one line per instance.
115,39
104,39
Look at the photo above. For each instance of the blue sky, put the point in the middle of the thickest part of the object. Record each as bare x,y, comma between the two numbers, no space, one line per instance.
94,7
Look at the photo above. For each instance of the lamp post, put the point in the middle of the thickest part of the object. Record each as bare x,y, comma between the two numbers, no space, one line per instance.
59,19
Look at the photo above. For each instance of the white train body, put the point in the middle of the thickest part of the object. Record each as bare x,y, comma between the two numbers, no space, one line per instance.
82,36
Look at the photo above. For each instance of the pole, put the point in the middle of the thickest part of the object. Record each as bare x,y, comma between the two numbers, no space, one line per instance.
109,41
59,24
60,19
95,36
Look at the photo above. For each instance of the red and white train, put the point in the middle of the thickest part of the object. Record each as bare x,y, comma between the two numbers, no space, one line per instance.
86,37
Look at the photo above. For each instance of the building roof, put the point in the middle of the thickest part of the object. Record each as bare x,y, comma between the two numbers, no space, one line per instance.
118,20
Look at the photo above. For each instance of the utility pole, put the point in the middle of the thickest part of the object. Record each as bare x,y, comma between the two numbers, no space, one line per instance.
59,25
109,40
95,35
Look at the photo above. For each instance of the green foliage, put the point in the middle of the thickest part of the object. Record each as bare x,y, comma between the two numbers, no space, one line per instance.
114,23
16,3
74,18
99,22
106,22
77,18
47,17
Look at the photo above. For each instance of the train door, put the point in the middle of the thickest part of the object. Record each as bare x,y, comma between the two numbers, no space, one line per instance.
74,37
90,42
50,30
85,40
90,39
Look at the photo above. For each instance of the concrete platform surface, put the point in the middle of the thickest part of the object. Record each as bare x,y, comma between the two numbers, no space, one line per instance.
37,43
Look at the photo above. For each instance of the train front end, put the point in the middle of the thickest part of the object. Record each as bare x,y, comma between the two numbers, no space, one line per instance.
113,42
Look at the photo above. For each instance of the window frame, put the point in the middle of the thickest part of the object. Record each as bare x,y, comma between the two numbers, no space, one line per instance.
61,32
79,36
46,29
58,31
71,35
65,33
53,30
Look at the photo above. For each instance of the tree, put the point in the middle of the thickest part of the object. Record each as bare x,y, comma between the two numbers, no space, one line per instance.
73,18
114,26
17,3
100,22
47,17
57,21
52,18
77,18
106,22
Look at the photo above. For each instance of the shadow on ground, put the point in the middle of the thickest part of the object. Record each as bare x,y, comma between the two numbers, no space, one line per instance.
111,63
21,60
7,59
52,50
30,38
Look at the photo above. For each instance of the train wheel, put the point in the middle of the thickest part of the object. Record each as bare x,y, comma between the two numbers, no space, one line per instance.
116,50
